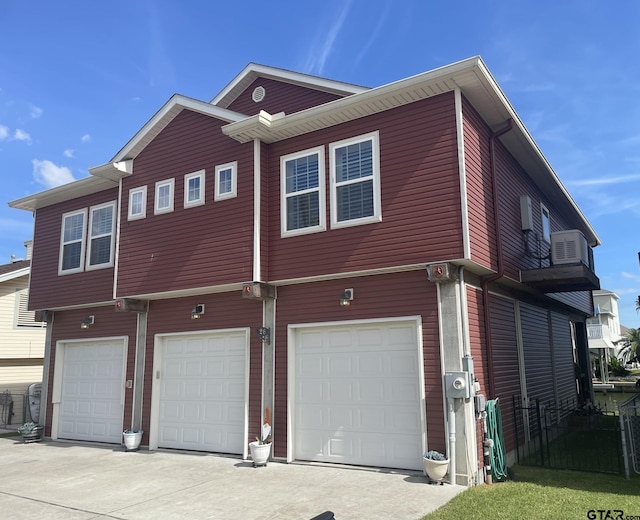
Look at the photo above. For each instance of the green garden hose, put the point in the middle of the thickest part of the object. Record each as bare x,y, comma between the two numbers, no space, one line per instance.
494,432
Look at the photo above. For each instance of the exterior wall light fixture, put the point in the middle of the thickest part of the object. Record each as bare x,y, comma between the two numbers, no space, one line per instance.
346,298
87,322
197,311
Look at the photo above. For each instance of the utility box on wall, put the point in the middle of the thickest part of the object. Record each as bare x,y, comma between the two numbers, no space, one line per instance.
457,385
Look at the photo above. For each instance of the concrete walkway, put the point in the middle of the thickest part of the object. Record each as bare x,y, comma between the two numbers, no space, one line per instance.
56,480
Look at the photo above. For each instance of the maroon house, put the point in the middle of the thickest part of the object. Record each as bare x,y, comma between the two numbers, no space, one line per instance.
353,259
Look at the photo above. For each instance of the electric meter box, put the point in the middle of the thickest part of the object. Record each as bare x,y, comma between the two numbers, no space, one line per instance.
457,385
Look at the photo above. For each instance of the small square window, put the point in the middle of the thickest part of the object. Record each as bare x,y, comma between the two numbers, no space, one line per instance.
194,189
137,203
164,197
226,181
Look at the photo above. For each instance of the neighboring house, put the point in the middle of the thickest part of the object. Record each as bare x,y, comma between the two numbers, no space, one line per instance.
604,330
324,250
22,340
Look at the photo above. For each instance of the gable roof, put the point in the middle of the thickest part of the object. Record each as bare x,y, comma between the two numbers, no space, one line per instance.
253,71
14,270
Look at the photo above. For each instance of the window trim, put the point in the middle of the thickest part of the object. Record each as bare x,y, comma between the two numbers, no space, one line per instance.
167,182
92,209
322,203
82,241
143,213
545,214
374,137
200,174
233,166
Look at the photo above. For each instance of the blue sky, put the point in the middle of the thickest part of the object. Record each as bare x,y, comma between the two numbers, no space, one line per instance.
78,79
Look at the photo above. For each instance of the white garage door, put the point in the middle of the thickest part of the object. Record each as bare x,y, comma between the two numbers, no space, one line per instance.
92,394
357,395
203,381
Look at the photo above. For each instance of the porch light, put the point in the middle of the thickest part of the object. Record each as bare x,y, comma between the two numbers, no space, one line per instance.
87,322
346,298
197,311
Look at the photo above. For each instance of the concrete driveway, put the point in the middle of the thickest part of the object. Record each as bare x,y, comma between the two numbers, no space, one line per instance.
55,480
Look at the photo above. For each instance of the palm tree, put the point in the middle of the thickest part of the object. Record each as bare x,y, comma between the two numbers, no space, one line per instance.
630,346
638,303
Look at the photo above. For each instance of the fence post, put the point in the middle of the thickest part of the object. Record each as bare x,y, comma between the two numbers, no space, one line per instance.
540,432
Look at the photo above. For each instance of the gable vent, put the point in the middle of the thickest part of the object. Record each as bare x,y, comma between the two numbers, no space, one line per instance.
258,94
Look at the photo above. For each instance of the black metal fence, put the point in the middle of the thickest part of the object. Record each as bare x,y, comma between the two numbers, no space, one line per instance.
566,436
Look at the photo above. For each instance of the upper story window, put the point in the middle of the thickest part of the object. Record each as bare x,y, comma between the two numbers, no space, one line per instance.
23,316
101,236
164,196
355,181
137,203
72,242
546,223
302,182
226,181
194,189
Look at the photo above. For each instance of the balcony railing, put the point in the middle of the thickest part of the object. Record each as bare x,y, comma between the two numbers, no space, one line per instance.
598,331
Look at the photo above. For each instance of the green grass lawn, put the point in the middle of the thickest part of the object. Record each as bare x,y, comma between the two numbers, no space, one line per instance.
539,493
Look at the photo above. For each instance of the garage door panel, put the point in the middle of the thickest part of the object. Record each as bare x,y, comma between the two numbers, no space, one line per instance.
91,392
202,404
357,394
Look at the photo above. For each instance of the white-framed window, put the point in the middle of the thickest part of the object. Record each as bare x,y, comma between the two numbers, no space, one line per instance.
302,192
101,235
546,223
194,189
137,203
226,181
164,197
72,242
355,181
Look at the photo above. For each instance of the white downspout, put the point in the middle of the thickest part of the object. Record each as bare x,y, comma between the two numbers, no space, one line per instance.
257,268
452,441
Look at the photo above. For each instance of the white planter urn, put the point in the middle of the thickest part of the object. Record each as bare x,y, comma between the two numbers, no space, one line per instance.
435,469
132,439
259,453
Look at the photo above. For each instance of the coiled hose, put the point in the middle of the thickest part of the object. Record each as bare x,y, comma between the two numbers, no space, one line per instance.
494,432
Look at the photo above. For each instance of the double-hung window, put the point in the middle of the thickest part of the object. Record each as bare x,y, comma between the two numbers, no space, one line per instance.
164,197
137,203
194,189
302,182
355,181
72,242
226,181
101,236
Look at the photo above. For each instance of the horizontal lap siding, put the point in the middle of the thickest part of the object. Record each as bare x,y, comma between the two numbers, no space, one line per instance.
107,323
47,288
200,246
222,311
420,192
382,296
280,97
537,353
504,341
563,358
477,348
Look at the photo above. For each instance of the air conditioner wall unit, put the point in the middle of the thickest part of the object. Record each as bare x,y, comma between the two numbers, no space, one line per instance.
570,247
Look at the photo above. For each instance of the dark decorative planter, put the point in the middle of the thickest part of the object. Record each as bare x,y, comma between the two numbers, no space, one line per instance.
34,435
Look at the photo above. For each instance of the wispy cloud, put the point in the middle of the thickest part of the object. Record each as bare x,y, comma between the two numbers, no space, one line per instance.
85,138
631,276
319,53
621,179
21,135
68,153
382,20
4,132
35,111
49,174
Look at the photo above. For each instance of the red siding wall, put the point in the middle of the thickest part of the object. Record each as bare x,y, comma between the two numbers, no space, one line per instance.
199,246
280,97
401,294
421,217
108,324
223,311
513,182
47,288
